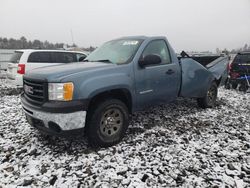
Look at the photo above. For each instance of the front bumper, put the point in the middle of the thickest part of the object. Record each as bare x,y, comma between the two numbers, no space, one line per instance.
59,124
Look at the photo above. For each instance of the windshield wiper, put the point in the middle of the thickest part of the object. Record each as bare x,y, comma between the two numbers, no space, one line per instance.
104,60
100,60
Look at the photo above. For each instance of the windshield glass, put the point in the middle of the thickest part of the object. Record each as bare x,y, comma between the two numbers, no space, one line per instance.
16,57
116,51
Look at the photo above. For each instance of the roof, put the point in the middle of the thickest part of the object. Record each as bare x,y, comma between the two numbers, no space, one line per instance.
141,37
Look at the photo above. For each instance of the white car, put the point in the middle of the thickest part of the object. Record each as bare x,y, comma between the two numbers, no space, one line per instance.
26,60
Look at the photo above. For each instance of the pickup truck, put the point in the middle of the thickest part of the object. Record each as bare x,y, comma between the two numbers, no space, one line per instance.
96,97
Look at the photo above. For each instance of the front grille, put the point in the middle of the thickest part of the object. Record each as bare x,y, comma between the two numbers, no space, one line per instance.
35,91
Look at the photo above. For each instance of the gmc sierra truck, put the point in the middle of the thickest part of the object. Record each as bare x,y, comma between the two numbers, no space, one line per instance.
120,77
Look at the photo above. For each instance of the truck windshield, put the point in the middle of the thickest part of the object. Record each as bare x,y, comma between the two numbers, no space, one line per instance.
118,51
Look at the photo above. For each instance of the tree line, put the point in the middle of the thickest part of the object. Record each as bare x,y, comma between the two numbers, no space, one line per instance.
245,48
23,43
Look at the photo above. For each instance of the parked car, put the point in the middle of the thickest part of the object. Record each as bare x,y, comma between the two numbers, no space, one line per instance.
238,70
5,55
120,77
26,60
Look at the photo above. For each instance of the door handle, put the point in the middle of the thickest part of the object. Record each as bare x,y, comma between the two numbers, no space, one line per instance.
170,71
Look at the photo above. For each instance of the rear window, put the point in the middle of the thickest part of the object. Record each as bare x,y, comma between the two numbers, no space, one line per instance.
15,58
242,58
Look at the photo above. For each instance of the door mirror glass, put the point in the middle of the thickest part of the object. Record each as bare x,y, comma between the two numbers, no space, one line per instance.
151,59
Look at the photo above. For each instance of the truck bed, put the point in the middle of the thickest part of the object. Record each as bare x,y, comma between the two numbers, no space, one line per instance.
205,60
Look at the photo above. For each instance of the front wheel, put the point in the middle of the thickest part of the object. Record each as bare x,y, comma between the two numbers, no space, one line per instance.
108,123
243,87
209,100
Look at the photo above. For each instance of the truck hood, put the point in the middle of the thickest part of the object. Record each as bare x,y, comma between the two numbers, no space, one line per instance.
58,72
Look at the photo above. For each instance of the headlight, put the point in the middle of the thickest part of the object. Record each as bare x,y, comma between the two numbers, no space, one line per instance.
61,91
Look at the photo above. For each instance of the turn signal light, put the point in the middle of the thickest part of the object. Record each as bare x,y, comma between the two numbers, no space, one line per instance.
68,91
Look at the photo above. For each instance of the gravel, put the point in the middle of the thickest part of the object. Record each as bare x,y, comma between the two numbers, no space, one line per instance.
171,145
8,89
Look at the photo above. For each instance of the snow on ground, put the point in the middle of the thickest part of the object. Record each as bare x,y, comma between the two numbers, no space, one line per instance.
8,89
173,145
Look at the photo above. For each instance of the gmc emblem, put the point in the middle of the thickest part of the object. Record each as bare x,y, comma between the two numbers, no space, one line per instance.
28,89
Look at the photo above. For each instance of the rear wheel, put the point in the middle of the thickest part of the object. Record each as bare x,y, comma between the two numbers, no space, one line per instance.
227,85
243,87
107,123
234,85
209,100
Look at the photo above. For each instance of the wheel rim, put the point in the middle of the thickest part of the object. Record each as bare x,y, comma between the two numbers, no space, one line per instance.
111,122
211,95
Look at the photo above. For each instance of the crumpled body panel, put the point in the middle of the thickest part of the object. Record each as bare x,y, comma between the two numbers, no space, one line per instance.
196,78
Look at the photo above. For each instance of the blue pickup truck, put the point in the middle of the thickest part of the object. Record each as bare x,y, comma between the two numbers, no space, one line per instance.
122,76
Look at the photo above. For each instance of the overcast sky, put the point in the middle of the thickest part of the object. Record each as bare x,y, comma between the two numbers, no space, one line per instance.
188,24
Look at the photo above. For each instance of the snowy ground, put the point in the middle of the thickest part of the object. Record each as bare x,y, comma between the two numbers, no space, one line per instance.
177,144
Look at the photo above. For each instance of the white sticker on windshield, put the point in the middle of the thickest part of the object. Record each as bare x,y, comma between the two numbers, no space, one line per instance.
131,42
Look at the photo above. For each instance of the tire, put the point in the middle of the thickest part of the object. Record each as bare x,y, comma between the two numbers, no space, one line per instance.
243,88
107,123
234,85
209,100
227,86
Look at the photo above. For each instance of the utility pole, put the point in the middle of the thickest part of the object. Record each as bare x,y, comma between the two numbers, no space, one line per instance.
72,38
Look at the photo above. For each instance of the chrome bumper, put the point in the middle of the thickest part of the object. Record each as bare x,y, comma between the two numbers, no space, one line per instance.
66,121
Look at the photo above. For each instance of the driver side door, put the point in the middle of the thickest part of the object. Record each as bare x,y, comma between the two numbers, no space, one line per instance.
157,83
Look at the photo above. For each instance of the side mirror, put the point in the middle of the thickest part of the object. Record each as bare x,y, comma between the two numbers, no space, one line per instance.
151,59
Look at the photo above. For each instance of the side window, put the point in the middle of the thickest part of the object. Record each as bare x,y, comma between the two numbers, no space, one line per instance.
80,57
34,57
63,57
45,57
160,48
57,57
53,56
69,57
39,57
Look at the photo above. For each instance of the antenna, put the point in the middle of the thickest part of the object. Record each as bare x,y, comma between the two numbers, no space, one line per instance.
72,38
